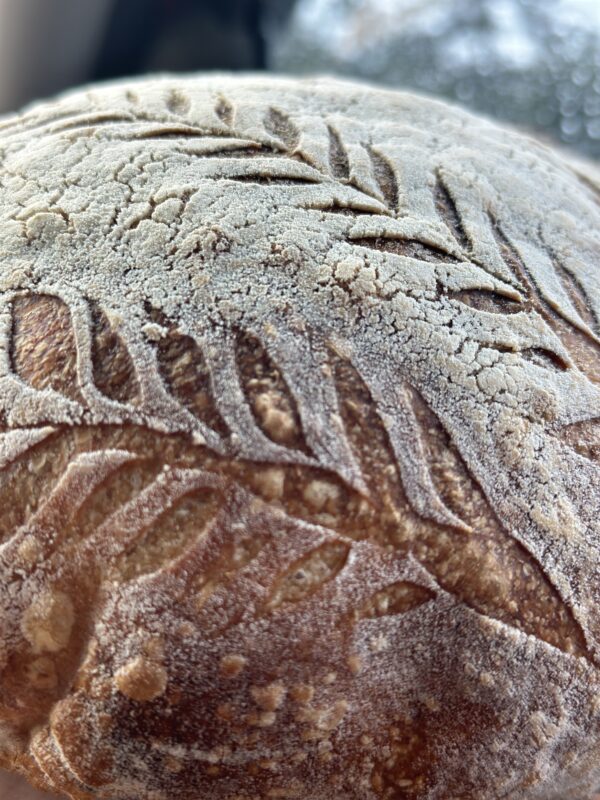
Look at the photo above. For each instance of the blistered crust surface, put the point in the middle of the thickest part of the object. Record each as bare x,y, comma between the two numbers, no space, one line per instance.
299,449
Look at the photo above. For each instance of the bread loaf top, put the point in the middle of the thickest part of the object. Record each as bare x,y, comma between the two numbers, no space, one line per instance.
299,386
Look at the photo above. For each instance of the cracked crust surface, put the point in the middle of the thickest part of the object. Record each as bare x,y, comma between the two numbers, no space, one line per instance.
299,448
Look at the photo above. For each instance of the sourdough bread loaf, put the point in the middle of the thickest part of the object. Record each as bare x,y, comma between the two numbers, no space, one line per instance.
299,448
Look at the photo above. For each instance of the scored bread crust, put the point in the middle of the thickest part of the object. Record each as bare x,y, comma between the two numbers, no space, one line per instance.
299,448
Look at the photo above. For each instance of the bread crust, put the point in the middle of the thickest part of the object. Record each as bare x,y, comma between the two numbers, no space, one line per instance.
300,448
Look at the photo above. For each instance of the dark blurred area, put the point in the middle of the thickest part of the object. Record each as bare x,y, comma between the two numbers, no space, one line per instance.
183,35
535,63
50,45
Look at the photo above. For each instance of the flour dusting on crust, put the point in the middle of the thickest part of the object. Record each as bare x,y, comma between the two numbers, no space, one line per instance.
299,448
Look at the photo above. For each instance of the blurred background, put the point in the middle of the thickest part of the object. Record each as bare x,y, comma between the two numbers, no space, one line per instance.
535,63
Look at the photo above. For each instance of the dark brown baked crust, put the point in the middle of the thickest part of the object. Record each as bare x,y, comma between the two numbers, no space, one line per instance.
293,552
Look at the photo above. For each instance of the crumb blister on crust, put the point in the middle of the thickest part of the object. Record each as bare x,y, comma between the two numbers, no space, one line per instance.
300,423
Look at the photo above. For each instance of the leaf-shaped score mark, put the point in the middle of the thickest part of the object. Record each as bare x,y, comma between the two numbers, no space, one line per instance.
542,357
412,248
28,479
548,300
224,110
483,566
114,373
386,179
583,437
116,490
220,567
268,395
446,208
43,351
183,368
281,127
397,598
338,158
308,574
484,300
40,472
496,303
173,533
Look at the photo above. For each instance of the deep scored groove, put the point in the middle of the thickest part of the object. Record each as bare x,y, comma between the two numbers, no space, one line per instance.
280,126
542,357
308,574
359,414
583,349
174,132
224,110
91,121
43,351
448,211
241,152
272,404
116,123
162,133
33,123
177,102
406,247
338,159
386,179
583,437
398,598
114,372
186,374
577,296
183,368
336,208
274,180
515,263
487,300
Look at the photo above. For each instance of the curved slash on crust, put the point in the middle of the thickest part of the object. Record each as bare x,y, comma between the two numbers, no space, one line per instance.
58,771
15,443
82,477
127,524
305,369
157,404
247,440
396,413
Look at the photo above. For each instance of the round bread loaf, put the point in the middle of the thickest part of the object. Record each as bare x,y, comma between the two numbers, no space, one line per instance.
299,450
